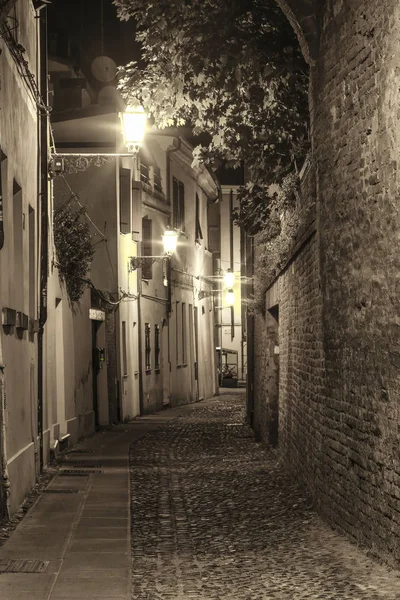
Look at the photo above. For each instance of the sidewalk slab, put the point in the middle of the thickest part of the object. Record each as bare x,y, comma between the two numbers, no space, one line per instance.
83,533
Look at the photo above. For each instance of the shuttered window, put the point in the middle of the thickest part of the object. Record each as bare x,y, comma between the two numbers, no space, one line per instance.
125,200
178,199
198,233
147,248
147,346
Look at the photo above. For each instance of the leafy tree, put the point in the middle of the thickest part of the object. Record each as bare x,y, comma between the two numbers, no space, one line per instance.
232,70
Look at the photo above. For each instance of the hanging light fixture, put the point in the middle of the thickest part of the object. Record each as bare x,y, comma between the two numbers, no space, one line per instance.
230,298
170,239
133,124
229,279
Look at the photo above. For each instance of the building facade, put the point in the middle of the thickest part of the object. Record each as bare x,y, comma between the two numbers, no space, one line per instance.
21,112
227,247
156,340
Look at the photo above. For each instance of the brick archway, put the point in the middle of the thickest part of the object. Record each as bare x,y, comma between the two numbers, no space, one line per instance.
302,16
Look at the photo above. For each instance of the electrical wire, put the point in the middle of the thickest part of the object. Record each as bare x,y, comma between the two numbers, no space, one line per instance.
74,196
124,295
17,52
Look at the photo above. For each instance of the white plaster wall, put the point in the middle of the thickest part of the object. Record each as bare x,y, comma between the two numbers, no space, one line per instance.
18,141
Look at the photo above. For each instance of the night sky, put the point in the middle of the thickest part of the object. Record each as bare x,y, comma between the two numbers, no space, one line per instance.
86,29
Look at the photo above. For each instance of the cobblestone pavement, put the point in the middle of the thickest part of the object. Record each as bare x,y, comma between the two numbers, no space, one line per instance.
215,517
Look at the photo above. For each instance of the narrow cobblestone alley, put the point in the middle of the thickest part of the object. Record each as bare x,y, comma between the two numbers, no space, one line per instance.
215,517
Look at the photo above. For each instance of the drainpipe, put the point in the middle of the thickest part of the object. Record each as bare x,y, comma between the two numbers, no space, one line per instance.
140,350
169,260
169,201
5,480
44,215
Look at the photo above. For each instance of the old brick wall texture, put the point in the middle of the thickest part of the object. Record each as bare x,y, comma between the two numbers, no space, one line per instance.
339,313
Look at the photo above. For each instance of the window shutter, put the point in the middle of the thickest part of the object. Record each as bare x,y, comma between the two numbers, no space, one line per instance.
175,203
124,200
147,248
198,232
181,206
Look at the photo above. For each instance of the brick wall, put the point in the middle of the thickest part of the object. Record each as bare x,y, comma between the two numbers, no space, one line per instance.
357,149
339,302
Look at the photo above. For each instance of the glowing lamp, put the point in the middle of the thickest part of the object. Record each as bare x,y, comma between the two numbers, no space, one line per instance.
229,279
170,239
230,298
133,124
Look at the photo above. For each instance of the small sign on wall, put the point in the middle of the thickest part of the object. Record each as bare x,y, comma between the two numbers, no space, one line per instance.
97,315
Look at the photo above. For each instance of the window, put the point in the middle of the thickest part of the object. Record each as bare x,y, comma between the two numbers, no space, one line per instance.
198,233
144,172
183,333
147,248
147,346
178,197
124,200
157,179
157,347
17,270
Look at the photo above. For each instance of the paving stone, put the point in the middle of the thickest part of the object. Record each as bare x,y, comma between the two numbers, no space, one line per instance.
215,517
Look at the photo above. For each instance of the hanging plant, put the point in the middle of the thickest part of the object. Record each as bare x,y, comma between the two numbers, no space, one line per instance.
74,249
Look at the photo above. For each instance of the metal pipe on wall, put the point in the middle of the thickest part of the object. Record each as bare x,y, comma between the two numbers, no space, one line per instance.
44,216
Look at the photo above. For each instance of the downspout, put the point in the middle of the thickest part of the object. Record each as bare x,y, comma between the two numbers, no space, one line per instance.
5,480
44,202
169,202
169,260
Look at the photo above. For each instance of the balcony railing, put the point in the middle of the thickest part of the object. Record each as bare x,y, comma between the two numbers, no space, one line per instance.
150,178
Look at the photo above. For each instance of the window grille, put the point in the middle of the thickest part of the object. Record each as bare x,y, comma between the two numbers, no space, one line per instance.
157,347
147,248
147,346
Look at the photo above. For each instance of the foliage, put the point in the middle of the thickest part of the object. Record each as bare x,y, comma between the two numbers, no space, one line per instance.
74,249
233,70
262,208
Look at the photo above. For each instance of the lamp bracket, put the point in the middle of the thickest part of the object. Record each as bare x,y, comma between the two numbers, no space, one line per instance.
205,294
137,262
75,163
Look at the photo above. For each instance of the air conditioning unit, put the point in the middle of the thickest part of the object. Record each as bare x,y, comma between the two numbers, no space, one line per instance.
8,316
21,321
33,326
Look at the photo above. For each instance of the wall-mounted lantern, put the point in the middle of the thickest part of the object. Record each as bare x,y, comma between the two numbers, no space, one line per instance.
169,238
133,125
229,279
230,298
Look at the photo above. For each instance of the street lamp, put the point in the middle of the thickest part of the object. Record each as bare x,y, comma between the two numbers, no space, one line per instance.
229,279
133,126
169,238
230,298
